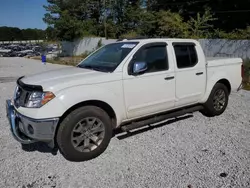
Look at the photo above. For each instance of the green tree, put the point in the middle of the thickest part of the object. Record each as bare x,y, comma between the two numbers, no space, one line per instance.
231,14
201,27
149,25
50,33
13,33
72,19
171,25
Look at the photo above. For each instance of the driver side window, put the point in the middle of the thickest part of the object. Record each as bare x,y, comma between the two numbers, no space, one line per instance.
155,57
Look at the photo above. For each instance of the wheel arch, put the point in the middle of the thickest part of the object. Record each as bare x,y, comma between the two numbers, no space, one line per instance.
103,105
226,83
212,82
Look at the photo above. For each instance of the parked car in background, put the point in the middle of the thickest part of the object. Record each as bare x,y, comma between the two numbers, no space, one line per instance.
29,50
127,84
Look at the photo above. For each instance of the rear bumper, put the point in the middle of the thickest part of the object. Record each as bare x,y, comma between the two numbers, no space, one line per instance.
27,130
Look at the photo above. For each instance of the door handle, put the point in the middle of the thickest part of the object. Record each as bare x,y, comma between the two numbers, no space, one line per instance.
199,73
169,78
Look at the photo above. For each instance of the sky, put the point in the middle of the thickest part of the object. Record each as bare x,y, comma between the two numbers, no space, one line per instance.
22,13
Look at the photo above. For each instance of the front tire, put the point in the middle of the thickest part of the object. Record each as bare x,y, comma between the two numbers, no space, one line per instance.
217,101
84,134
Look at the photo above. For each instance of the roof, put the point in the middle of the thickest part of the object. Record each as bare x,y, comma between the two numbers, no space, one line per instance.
140,39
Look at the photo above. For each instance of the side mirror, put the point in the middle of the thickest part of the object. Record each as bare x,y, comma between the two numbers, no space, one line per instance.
139,67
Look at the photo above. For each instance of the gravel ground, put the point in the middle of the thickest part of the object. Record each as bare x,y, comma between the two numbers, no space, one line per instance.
193,151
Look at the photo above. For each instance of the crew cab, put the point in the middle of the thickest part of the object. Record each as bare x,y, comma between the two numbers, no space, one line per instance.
124,85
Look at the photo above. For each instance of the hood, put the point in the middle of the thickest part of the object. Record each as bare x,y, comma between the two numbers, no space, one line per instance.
66,77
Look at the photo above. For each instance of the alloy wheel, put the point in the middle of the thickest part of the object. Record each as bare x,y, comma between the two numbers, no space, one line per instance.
87,134
219,100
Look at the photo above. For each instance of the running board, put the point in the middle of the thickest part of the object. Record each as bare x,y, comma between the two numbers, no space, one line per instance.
158,118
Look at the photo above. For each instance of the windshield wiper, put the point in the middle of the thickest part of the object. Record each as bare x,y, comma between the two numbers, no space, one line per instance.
91,68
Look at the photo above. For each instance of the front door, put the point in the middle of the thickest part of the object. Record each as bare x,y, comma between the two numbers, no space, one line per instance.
154,90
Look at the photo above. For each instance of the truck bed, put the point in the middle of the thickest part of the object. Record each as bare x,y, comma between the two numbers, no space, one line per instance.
220,61
228,68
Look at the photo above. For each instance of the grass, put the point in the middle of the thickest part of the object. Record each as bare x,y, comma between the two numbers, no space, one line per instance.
246,82
246,86
72,61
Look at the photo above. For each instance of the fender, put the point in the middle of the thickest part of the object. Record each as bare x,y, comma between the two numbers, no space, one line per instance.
212,81
71,96
74,95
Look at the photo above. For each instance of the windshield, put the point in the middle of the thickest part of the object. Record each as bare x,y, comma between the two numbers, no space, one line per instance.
107,58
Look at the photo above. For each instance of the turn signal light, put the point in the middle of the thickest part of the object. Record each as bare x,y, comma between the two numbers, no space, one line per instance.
48,96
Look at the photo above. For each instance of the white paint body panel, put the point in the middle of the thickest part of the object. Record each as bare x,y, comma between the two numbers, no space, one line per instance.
223,68
148,93
135,96
190,88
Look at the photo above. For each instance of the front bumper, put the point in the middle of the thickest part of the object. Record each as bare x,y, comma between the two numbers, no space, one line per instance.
27,130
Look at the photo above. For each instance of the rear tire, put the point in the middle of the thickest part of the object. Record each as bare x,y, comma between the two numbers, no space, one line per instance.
84,134
217,101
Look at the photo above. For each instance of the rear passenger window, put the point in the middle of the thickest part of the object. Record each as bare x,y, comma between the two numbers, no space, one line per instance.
186,55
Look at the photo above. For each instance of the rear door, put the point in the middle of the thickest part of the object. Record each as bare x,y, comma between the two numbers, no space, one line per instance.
190,74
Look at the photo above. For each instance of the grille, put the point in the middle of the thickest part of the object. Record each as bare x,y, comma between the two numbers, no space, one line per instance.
21,97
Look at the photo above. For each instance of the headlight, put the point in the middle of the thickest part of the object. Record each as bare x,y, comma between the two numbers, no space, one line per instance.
38,99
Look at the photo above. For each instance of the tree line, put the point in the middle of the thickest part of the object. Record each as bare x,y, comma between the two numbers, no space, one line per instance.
16,34
71,19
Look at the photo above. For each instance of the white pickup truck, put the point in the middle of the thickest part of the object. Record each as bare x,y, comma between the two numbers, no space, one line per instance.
127,85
